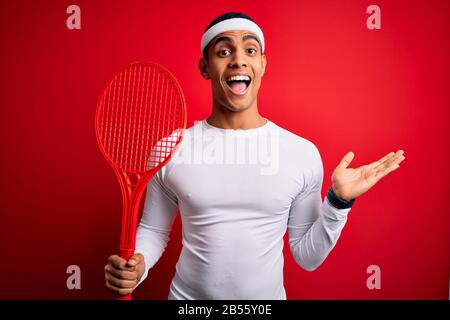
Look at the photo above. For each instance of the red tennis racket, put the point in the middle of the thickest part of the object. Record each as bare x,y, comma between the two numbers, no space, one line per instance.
140,122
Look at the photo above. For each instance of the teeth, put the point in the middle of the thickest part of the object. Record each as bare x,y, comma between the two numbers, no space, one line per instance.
238,78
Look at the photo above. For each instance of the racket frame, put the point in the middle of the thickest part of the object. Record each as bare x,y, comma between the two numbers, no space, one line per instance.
132,191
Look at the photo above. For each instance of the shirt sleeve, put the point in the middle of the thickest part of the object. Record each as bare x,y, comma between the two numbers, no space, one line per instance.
153,231
314,226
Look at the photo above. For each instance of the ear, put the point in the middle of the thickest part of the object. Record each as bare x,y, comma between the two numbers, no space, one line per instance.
203,67
264,64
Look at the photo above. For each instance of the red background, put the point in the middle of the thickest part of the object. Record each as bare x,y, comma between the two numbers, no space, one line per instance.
329,79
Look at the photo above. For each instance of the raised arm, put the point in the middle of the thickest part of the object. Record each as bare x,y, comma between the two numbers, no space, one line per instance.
314,226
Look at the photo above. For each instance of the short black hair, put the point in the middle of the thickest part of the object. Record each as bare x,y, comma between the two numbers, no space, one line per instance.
225,16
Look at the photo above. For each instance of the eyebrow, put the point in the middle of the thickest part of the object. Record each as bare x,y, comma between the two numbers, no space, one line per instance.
228,39
223,38
250,37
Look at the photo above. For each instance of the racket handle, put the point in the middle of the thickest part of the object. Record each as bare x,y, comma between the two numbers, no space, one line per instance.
125,254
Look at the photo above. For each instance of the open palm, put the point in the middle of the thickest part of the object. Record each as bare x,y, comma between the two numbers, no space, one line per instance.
349,183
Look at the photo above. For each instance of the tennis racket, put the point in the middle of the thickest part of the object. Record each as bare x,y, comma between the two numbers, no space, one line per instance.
140,122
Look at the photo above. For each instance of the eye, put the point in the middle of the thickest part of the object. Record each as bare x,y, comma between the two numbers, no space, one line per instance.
251,51
224,52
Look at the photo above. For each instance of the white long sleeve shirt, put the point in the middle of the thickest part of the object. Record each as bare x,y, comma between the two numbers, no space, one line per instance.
238,191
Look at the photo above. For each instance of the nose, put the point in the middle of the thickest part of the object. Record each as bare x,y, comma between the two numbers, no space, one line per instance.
238,60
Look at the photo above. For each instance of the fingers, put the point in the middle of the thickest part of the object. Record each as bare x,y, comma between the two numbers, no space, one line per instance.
377,163
121,291
135,260
390,164
119,277
346,160
395,160
120,283
384,172
388,160
120,263
121,274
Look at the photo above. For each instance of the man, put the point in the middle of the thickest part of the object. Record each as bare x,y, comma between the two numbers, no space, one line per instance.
234,215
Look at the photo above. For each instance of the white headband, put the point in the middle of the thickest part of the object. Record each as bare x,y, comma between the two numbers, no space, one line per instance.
229,25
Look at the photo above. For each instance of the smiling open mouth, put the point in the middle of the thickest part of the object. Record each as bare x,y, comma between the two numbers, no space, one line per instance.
238,83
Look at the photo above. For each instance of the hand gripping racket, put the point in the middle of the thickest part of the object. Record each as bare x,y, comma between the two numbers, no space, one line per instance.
140,122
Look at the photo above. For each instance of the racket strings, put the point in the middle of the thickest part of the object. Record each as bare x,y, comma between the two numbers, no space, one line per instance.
140,118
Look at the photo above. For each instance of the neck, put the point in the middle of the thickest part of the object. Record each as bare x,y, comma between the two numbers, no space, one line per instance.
222,117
